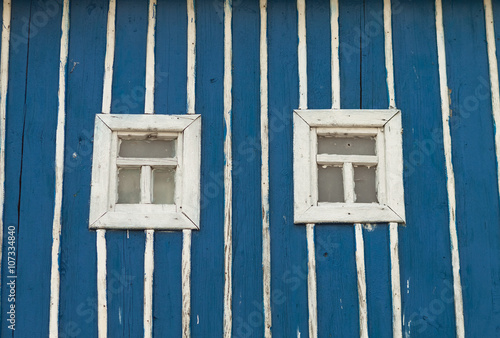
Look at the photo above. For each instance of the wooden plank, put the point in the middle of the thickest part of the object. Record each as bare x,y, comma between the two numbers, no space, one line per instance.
327,159
425,280
473,139
5,11
347,117
148,123
207,254
288,250
135,162
36,204
247,304
170,98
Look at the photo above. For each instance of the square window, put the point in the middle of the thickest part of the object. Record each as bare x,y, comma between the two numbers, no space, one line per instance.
348,166
146,172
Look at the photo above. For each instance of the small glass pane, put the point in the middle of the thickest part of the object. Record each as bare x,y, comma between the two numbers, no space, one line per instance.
365,184
129,189
163,186
147,148
348,145
330,184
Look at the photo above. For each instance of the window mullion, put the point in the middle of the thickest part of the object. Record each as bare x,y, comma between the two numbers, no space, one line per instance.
348,175
145,184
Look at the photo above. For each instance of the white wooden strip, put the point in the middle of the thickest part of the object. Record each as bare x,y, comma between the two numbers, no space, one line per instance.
302,53
329,159
450,182
348,213
313,145
146,184
186,283
347,118
264,137
301,163
135,162
393,227
335,60
348,131
311,282
145,122
4,78
495,90
150,60
360,268
59,170
148,283
109,58
228,217
102,303
348,176
191,57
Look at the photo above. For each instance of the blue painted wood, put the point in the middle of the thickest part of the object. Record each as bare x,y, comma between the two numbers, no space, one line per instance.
36,200
16,113
424,244
472,128
125,250
207,264
170,98
248,315
78,261
130,57
288,241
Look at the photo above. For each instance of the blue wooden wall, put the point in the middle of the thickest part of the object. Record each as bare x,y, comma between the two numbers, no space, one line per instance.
428,304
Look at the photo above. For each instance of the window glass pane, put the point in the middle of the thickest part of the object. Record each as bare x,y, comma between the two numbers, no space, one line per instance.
147,148
330,184
348,145
365,185
129,189
163,186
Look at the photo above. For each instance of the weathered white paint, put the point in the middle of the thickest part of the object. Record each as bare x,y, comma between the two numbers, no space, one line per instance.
302,53
102,303
348,213
328,159
397,325
389,52
4,78
311,282
264,139
186,234
450,182
148,283
228,179
145,123
493,63
59,170
348,180
186,283
360,269
335,59
347,118
150,60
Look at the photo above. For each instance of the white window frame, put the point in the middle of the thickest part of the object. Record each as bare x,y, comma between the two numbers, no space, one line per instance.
386,126
105,213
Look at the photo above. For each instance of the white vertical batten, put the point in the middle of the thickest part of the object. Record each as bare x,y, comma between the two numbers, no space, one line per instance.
4,79
311,258
397,326
335,61
59,170
495,90
149,262
450,182
186,234
102,303
264,137
228,179
361,279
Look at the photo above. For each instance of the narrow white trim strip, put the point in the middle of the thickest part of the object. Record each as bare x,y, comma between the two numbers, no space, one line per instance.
149,264
360,268
109,58
495,90
186,283
335,62
264,137
311,282
228,179
150,60
302,54
102,302
4,78
186,234
388,52
149,107
191,57
59,170
450,183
